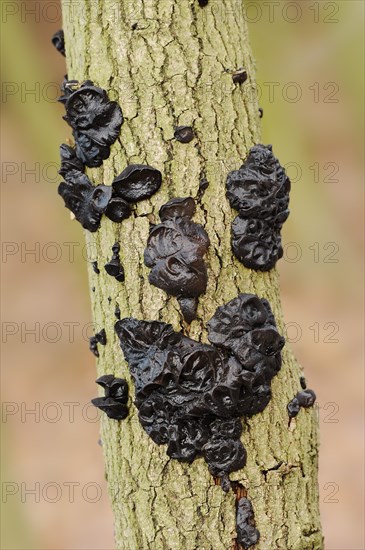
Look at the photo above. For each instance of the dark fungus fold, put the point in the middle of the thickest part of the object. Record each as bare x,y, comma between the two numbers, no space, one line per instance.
94,119
116,397
247,534
259,190
58,40
190,395
137,182
174,252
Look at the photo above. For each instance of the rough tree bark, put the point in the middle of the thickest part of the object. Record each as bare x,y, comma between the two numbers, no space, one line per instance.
165,62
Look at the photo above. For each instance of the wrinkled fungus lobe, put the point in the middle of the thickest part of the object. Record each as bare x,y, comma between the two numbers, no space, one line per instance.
137,182
305,399
116,397
58,40
95,120
174,252
190,395
247,534
259,190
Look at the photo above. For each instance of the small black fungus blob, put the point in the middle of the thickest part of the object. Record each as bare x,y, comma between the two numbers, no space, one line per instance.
239,76
117,311
247,534
184,134
58,40
259,190
86,202
190,395
303,383
305,399
99,338
69,160
203,3
137,182
261,112
95,267
114,267
116,397
95,120
174,252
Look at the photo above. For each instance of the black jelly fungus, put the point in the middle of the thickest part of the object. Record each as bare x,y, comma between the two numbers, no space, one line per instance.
190,395
203,3
116,397
303,383
261,112
174,252
137,182
101,337
247,534
117,209
58,40
305,399
95,267
94,119
117,311
239,76
87,202
93,346
184,134
114,267
69,160
259,190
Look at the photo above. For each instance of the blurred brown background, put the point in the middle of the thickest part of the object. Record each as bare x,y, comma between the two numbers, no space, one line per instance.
310,79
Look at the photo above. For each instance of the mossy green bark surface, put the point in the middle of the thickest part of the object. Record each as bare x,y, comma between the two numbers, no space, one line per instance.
167,63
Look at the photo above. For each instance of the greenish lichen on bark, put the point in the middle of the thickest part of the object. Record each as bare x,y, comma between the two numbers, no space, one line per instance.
172,69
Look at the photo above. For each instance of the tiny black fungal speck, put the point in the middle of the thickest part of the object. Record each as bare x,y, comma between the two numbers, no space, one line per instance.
174,252
58,40
184,134
261,112
95,267
259,190
239,76
305,399
190,395
303,383
93,289
109,299
114,267
203,3
116,397
117,311
134,26
93,346
247,534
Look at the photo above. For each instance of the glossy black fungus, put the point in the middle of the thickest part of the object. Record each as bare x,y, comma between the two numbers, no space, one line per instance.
174,252
95,267
114,267
101,337
247,534
305,398
69,160
303,383
95,120
184,134
58,40
93,346
116,397
117,311
203,3
261,112
190,395
239,76
88,203
117,209
259,190
137,182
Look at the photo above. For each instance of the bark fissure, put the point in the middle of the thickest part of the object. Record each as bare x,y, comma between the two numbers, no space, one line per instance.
173,69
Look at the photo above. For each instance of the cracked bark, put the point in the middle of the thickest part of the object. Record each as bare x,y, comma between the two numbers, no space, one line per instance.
170,70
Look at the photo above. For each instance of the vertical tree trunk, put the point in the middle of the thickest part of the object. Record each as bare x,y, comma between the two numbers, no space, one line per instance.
165,62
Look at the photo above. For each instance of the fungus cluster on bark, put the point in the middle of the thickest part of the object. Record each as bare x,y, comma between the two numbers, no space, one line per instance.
259,190
98,338
190,395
